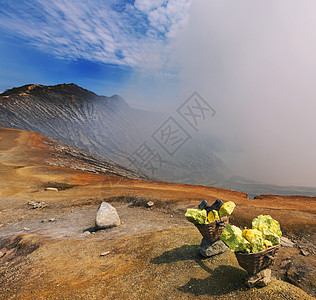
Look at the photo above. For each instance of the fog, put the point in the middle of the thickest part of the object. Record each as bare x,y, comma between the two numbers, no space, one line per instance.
255,63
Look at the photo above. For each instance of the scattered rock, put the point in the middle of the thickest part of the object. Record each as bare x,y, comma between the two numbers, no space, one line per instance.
36,204
285,242
208,248
105,253
51,220
51,189
86,233
150,203
304,252
107,216
43,221
25,228
261,279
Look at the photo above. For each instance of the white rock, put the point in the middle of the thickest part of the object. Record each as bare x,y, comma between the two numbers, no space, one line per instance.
51,189
285,242
150,203
105,253
107,216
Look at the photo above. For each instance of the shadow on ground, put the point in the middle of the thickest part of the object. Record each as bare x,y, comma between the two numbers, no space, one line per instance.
223,279
185,252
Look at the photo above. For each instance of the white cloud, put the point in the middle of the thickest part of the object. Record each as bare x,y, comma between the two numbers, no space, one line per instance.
148,5
128,35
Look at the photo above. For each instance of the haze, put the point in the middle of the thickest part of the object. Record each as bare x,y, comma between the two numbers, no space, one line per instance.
254,62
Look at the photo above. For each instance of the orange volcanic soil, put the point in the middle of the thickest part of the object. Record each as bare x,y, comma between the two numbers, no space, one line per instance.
152,255
26,170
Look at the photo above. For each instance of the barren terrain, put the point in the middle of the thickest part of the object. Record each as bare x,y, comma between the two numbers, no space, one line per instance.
54,252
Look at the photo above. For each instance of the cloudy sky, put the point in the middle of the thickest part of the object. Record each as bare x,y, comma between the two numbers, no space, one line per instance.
98,44
254,62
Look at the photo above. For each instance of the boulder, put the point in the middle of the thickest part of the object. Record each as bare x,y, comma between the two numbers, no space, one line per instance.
208,248
107,216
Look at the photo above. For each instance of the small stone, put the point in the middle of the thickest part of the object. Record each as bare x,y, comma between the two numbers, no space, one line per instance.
37,204
171,216
105,253
25,228
208,249
43,221
304,252
86,232
52,220
260,279
285,242
51,189
150,203
107,216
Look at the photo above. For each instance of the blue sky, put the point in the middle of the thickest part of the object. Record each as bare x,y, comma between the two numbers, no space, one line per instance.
100,45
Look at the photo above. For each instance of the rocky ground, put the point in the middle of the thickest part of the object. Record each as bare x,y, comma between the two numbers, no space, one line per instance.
152,255
49,249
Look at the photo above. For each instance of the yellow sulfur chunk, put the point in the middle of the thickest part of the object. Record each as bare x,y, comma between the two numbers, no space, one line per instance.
267,243
269,227
196,216
226,209
212,216
257,244
249,234
232,237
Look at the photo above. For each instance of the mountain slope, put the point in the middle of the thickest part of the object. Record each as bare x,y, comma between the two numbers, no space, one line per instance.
105,126
30,157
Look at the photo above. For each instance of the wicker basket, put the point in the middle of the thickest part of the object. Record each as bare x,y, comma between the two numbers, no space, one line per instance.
213,231
255,262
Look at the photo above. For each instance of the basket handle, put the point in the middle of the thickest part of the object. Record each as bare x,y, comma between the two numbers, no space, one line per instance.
270,257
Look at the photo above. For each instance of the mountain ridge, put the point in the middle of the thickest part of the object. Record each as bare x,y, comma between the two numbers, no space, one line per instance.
104,126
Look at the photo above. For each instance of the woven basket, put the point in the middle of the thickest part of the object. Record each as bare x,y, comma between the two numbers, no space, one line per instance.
213,231
255,262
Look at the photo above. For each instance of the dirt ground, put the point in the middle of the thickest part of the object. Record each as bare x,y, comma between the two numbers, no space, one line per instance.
54,253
